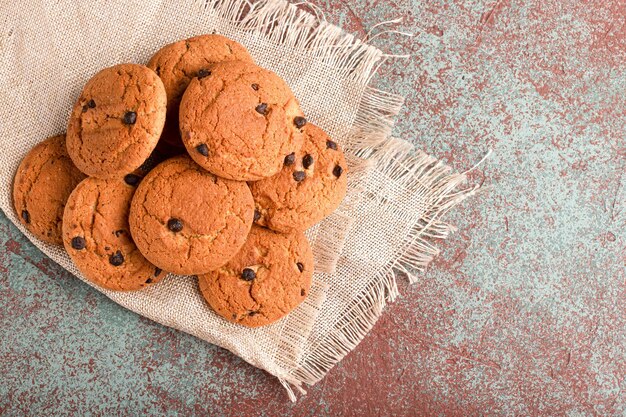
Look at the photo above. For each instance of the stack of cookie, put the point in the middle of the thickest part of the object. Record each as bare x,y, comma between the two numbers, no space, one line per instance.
200,163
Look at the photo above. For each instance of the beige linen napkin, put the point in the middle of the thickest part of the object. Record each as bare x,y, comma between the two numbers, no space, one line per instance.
49,48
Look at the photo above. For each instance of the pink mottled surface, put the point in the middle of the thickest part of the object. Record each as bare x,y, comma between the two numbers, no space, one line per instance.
524,312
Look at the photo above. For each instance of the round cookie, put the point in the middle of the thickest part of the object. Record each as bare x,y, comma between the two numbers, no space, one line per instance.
97,238
269,277
42,184
310,186
117,121
179,62
188,221
240,121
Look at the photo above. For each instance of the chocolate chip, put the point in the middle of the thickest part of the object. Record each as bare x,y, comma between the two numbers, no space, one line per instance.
175,225
302,292
203,149
257,215
300,266
307,161
149,281
130,117
255,87
119,232
107,248
253,313
290,159
203,73
262,109
234,316
78,243
337,171
132,179
89,105
299,176
26,216
248,274
116,259
157,272
299,121
331,145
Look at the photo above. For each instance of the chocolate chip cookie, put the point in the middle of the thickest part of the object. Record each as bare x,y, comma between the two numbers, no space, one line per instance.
179,62
240,121
42,184
188,221
310,186
96,236
117,121
268,278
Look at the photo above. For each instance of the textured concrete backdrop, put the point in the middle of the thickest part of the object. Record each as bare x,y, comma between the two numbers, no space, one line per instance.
524,311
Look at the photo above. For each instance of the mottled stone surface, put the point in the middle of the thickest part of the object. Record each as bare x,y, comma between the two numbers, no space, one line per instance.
523,313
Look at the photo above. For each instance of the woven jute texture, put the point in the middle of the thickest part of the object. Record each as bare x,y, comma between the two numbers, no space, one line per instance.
396,196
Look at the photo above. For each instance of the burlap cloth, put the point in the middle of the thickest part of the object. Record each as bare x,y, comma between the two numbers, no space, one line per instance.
49,48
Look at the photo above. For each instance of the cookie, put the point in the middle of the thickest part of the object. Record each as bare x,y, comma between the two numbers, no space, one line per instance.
179,62
240,121
268,278
310,186
117,121
42,184
97,238
188,221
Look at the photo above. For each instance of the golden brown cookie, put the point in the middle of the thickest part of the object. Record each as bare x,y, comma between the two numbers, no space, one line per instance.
188,221
240,121
42,184
96,236
179,62
310,186
269,277
117,121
